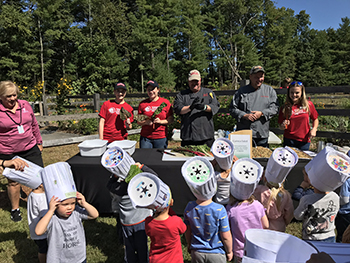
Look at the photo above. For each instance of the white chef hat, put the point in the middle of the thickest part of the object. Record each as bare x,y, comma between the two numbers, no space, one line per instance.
117,161
29,177
280,163
245,176
328,170
147,191
223,152
58,181
198,173
273,246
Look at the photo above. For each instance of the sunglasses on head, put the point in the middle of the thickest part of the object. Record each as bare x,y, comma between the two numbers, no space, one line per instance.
297,82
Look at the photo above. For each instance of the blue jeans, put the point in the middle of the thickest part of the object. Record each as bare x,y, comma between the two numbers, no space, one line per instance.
304,146
135,241
329,240
153,143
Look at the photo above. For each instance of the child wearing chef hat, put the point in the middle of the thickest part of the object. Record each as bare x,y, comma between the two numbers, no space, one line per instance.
63,220
164,228
208,231
326,172
28,174
276,200
243,211
132,217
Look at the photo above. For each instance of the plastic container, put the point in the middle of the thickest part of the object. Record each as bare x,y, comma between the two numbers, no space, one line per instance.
94,147
126,145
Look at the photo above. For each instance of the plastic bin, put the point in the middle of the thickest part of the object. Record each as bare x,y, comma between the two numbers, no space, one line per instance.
126,145
94,147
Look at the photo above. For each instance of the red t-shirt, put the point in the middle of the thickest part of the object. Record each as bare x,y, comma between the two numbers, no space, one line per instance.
299,127
114,128
165,239
147,108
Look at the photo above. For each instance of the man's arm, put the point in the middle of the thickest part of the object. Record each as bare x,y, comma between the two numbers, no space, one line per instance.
272,109
234,109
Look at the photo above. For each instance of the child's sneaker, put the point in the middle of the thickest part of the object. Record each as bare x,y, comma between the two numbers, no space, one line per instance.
16,215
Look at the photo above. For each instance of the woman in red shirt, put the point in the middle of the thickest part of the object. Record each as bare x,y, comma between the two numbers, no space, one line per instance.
112,127
294,118
154,130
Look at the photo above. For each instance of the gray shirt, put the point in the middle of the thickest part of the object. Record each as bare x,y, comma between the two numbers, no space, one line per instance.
248,99
318,212
196,125
66,238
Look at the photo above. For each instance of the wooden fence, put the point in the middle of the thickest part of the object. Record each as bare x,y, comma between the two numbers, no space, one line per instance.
96,101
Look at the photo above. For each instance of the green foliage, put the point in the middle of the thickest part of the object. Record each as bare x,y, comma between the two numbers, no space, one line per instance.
334,123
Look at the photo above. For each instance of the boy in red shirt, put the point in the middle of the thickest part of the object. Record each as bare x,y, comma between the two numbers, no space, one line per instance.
164,228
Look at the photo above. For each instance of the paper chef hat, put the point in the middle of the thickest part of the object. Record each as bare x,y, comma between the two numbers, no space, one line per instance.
147,191
117,161
274,246
198,173
58,181
29,177
223,152
328,170
280,163
245,176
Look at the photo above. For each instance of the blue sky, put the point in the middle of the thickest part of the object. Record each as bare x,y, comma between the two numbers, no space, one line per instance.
323,13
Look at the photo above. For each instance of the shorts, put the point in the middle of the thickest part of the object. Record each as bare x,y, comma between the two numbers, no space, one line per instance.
42,244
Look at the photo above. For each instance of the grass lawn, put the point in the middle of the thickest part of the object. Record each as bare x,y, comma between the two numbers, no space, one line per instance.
101,238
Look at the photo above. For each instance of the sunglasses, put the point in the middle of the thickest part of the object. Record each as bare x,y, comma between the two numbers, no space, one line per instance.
297,82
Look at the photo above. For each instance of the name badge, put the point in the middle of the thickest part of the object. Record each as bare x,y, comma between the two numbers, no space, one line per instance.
20,129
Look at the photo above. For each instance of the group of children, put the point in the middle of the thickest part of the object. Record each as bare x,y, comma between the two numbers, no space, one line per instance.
214,231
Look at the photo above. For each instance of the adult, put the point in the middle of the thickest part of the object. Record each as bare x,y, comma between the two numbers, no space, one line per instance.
294,118
254,105
19,135
154,130
17,164
112,127
196,106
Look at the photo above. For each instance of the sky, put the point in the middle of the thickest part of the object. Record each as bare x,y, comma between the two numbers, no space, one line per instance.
323,13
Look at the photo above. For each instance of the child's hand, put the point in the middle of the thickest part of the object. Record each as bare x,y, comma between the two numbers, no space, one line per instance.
80,199
229,256
54,202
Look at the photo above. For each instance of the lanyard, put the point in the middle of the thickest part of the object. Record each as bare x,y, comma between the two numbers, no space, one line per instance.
20,120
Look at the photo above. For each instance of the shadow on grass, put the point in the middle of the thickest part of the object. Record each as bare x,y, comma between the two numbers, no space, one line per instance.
25,247
103,236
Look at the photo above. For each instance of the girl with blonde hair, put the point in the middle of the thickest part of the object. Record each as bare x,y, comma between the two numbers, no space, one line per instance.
294,118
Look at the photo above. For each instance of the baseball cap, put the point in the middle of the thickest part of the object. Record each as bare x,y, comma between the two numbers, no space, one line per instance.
153,84
257,69
194,75
119,85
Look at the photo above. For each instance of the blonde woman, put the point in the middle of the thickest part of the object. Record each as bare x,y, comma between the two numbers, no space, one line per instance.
19,135
294,118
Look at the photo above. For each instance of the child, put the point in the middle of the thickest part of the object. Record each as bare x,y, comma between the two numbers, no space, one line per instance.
243,211
208,232
223,151
37,207
326,172
63,220
342,221
28,174
303,189
276,200
164,228
116,116
132,219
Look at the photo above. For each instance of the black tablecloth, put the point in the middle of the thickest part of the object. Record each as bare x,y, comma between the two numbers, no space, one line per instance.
91,178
